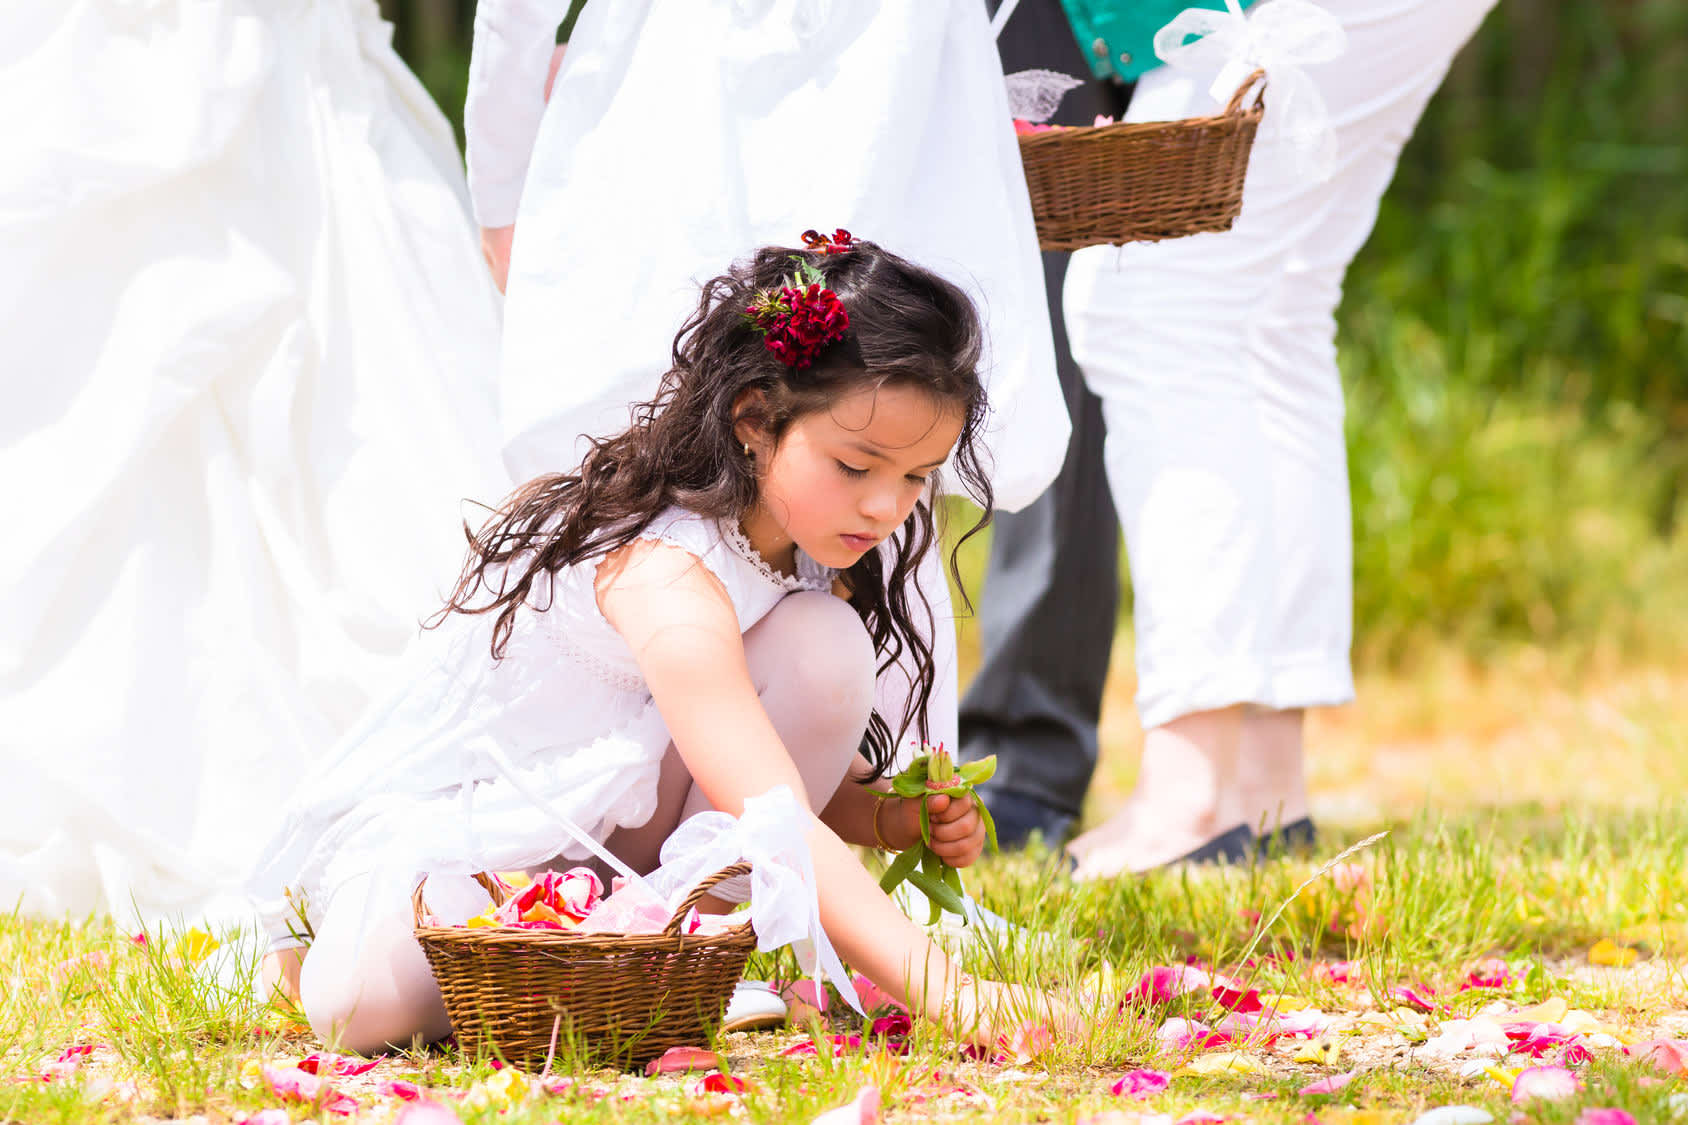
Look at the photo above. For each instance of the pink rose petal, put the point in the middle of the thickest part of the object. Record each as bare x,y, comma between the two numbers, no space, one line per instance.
1414,997
1142,1083
1489,973
270,1116
864,1110
718,1083
678,1060
894,1026
1163,984
1547,1082
1669,1055
404,1091
292,1084
1605,1117
1201,1117
1330,1085
325,1062
1029,1041
1338,972
426,1113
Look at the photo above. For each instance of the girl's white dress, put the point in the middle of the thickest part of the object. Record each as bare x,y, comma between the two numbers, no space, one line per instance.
249,348
468,765
683,133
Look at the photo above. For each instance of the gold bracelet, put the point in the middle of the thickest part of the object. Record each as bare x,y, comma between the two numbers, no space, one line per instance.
878,838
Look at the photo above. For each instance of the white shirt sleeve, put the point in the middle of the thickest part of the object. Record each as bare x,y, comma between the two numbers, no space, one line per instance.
507,67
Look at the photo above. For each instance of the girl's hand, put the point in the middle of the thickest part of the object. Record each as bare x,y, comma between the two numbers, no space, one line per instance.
495,248
958,832
1018,1020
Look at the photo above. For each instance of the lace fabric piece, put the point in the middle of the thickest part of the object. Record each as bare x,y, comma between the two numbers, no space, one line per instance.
1035,95
813,577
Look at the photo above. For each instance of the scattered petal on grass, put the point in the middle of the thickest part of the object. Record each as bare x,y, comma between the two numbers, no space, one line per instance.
270,1116
82,962
894,1026
292,1084
1201,1117
1165,983
1605,1117
1609,953
194,946
1455,1115
1489,973
1551,1010
718,1083
1338,972
1224,1062
344,1066
1029,1041
1334,1084
1544,1082
1478,1036
403,1091
1142,1083
1668,1055
1320,1052
1414,997
427,1113
678,1060
864,1110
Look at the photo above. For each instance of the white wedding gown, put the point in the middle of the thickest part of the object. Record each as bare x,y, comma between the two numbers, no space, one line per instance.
249,349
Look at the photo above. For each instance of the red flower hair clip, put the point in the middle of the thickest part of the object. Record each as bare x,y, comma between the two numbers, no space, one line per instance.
841,242
799,319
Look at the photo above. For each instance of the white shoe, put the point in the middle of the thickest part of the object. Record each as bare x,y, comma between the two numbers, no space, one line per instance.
754,1006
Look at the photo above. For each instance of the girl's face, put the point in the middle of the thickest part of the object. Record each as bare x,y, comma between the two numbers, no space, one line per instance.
841,480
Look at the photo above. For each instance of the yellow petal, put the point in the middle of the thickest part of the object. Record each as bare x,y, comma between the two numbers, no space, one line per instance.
1323,1052
1504,1075
1582,1023
1224,1062
195,945
515,880
1610,953
1551,1010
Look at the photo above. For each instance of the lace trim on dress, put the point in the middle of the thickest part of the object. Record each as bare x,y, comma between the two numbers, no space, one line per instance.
733,535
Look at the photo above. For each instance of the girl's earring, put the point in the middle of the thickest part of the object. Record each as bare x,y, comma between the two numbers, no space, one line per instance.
747,452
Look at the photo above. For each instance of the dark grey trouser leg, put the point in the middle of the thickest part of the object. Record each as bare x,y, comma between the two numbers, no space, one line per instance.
1047,613
1051,587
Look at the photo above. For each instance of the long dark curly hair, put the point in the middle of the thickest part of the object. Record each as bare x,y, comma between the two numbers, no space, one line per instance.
908,327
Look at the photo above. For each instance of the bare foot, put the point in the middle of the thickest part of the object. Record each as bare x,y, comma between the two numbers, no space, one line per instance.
279,973
1187,793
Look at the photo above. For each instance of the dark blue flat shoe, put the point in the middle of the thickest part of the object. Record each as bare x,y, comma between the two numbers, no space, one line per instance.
1233,846
1018,817
1296,836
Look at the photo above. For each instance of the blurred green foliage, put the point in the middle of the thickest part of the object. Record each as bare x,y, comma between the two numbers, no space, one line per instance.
1514,338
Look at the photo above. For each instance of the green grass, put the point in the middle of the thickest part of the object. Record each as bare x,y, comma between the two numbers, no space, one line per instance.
1443,892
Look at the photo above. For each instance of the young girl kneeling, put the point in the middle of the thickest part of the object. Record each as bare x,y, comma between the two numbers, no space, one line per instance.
691,619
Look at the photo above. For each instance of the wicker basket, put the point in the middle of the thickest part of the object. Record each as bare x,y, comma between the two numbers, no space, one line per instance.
1142,182
623,999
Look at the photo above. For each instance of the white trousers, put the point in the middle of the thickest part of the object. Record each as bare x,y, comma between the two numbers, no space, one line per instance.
1215,359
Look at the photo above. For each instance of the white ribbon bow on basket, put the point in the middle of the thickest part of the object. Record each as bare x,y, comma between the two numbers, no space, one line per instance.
772,835
1279,37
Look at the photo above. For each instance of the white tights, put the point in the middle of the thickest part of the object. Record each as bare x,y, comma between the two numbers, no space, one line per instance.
812,665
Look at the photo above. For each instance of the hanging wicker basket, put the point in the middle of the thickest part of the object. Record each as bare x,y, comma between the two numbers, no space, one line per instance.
621,999
1145,181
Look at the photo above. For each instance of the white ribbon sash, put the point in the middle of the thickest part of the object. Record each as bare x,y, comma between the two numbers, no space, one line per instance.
1279,37
772,836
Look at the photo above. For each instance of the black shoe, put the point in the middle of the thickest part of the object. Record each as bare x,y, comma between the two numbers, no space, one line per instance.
1234,846
1296,836
1017,816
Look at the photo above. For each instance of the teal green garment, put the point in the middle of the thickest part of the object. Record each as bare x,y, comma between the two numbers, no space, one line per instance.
1118,36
